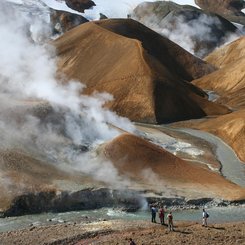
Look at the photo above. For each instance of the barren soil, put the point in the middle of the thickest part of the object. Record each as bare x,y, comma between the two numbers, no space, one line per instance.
119,232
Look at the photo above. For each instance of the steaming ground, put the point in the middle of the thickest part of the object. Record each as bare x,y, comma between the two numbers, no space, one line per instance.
184,34
42,117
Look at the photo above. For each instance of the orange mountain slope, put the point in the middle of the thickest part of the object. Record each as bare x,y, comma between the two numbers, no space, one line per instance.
146,163
146,74
229,83
229,80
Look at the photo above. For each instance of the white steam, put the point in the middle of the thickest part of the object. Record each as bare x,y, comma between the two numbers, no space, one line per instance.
155,182
42,116
192,35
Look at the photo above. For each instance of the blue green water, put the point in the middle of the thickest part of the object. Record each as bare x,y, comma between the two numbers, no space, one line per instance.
217,215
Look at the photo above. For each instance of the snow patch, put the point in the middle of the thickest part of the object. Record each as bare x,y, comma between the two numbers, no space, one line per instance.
60,5
110,8
120,8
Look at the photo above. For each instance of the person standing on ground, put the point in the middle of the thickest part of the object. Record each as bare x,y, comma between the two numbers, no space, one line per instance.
170,221
153,214
161,215
205,216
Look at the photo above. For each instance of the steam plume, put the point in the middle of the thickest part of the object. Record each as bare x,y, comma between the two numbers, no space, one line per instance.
41,115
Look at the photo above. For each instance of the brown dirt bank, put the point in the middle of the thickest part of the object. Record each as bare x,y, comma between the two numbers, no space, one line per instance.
151,165
119,232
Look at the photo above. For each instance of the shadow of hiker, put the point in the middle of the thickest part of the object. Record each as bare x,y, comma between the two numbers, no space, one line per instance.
216,228
183,232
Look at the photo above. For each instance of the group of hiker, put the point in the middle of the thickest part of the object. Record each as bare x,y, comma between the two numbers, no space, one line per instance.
161,213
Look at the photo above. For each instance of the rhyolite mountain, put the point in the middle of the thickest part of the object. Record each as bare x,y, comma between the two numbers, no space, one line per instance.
156,168
204,29
229,83
152,80
147,74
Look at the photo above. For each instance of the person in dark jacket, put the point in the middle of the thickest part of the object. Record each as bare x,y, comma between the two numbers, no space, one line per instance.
153,214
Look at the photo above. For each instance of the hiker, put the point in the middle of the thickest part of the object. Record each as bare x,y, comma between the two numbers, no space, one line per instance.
205,216
161,215
153,214
170,221
131,242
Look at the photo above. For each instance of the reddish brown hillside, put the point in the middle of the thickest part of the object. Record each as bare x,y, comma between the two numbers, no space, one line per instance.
21,173
143,82
227,54
177,60
133,156
230,128
229,81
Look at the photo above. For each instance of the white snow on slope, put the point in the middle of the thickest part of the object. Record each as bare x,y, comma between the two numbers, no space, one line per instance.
60,5
121,8
16,1
110,8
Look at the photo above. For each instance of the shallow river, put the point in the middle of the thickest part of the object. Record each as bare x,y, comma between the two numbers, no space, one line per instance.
231,167
217,215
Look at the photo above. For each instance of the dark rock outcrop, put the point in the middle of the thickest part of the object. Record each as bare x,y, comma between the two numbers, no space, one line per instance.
63,21
86,199
198,31
80,5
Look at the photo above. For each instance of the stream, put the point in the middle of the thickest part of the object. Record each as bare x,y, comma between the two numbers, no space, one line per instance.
231,167
217,215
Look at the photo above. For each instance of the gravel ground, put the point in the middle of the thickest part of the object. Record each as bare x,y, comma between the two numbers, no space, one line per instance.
119,232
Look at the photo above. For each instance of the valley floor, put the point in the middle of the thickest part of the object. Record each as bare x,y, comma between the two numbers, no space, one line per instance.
119,232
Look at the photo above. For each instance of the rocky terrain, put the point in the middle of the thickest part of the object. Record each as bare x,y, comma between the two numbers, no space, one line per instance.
80,5
201,31
119,232
63,21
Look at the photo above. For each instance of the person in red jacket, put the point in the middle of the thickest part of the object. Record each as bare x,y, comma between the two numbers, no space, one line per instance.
161,215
